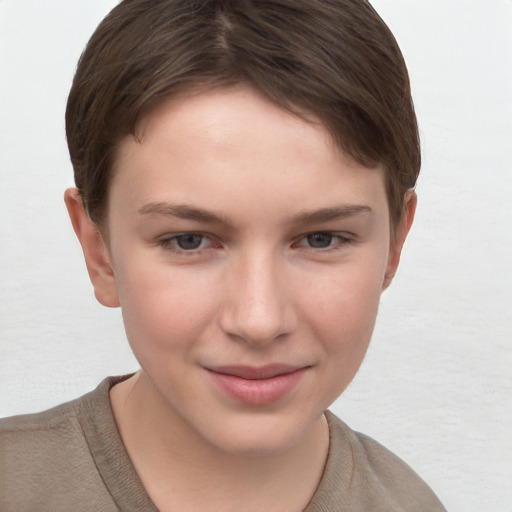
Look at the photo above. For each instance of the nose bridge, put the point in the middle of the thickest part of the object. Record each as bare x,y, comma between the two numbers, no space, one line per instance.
259,310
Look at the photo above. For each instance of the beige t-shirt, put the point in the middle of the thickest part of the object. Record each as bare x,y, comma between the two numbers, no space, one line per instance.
71,458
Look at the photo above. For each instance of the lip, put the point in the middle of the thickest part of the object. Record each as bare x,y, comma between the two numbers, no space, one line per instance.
257,385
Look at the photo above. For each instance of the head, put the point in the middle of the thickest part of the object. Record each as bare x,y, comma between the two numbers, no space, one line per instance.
331,61
244,172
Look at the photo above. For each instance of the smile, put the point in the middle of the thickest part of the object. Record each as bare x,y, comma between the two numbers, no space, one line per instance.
257,386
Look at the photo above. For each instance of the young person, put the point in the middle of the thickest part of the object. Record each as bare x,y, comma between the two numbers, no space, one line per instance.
245,176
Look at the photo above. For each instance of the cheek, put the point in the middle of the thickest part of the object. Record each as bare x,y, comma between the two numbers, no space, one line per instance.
343,310
163,311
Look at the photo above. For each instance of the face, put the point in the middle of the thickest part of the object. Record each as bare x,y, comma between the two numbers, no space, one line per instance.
248,255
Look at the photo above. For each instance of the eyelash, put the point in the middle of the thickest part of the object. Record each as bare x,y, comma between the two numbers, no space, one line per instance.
170,244
341,240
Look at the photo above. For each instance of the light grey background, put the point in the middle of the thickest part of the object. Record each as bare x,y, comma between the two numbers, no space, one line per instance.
436,384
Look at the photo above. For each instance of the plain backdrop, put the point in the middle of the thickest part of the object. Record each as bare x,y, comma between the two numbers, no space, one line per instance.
436,384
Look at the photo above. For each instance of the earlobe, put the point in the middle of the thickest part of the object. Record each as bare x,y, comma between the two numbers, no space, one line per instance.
397,243
96,252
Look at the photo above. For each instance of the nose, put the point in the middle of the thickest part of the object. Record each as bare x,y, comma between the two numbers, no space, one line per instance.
258,308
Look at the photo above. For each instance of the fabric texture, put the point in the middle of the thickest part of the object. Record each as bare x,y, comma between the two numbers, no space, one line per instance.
71,457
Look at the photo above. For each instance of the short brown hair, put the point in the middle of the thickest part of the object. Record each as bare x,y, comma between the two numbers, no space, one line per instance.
336,59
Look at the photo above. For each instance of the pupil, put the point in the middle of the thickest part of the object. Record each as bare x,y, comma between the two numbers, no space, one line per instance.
189,242
319,240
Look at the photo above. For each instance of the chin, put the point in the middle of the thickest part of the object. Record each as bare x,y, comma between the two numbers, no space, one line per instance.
260,436
256,447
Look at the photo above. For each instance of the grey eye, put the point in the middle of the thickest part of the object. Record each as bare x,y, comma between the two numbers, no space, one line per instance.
189,241
320,240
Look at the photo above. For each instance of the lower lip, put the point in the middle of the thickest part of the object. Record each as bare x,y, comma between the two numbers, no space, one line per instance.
257,391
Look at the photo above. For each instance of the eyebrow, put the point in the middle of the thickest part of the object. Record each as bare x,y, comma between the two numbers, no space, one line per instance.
188,212
329,214
182,211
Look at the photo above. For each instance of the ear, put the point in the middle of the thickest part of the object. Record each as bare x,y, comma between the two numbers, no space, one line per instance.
397,242
96,252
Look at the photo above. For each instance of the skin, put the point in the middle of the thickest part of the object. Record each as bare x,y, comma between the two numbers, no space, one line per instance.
237,234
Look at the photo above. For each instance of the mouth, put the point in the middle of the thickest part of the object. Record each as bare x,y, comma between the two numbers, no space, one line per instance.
257,385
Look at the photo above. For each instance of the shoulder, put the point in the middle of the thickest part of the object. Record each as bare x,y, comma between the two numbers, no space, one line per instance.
379,480
41,421
33,435
45,455
59,421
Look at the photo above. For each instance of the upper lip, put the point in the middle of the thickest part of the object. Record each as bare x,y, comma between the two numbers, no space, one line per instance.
256,372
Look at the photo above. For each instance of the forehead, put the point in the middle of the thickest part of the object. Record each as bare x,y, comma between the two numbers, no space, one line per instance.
222,115
217,146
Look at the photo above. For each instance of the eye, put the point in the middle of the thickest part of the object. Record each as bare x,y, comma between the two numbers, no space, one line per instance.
189,242
184,243
320,240
323,240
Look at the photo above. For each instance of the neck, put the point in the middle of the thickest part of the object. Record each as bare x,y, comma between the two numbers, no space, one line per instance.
178,467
